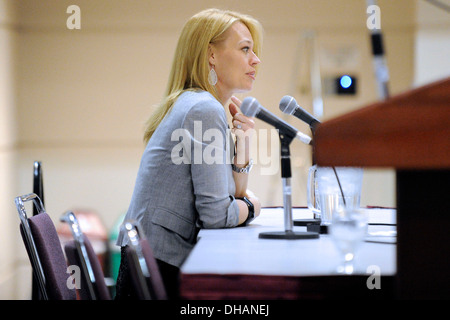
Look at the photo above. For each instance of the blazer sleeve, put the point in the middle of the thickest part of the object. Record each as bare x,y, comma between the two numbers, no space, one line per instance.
206,127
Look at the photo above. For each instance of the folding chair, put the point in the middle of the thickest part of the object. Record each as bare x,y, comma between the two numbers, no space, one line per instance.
44,250
79,252
143,267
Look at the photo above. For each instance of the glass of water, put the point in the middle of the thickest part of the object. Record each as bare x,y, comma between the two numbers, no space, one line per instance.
348,230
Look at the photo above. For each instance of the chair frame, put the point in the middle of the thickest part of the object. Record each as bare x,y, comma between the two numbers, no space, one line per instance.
29,241
74,226
133,233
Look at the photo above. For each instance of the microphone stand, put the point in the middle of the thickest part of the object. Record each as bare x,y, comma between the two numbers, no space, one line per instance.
288,233
379,61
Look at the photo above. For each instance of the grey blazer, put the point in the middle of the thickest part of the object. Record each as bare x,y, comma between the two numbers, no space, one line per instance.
185,181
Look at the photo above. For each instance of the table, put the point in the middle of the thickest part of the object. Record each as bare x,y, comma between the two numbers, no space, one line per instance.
235,264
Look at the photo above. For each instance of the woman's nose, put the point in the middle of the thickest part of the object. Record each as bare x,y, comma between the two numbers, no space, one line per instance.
254,60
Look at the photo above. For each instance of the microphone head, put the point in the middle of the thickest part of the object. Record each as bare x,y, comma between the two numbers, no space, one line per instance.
288,104
250,107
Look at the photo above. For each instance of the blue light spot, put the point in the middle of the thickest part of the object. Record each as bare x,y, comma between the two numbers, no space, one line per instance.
346,82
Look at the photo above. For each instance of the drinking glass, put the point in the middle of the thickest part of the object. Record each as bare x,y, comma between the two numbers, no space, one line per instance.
329,188
348,229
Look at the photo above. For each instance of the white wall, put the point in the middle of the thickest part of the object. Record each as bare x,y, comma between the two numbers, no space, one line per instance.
432,46
8,123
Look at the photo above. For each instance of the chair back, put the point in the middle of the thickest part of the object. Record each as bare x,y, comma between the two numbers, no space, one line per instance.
144,269
44,251
79,252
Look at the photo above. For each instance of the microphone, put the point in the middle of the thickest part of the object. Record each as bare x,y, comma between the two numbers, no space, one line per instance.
290,106
251,108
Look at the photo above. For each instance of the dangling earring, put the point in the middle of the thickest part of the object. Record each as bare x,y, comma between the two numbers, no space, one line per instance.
212,76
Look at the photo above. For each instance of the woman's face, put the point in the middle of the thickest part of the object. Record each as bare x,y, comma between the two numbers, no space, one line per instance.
234,61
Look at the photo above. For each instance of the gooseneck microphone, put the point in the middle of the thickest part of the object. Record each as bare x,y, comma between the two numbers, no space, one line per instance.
288,105
252,108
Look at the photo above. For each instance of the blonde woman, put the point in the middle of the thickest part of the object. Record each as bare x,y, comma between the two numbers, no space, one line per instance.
191,176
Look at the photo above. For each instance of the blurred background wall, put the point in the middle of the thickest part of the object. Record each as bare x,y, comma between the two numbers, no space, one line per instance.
77,100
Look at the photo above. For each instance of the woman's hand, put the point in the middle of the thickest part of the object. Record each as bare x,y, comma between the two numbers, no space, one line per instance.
243,128
240,121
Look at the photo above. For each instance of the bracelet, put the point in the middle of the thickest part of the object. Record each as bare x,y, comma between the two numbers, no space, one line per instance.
245,169
251,211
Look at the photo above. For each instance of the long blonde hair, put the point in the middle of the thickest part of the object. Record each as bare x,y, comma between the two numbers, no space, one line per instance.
190,66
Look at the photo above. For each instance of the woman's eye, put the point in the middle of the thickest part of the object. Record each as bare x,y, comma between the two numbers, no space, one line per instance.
246,49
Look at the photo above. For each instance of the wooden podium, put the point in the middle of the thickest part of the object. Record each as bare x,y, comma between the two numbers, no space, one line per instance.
411,133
